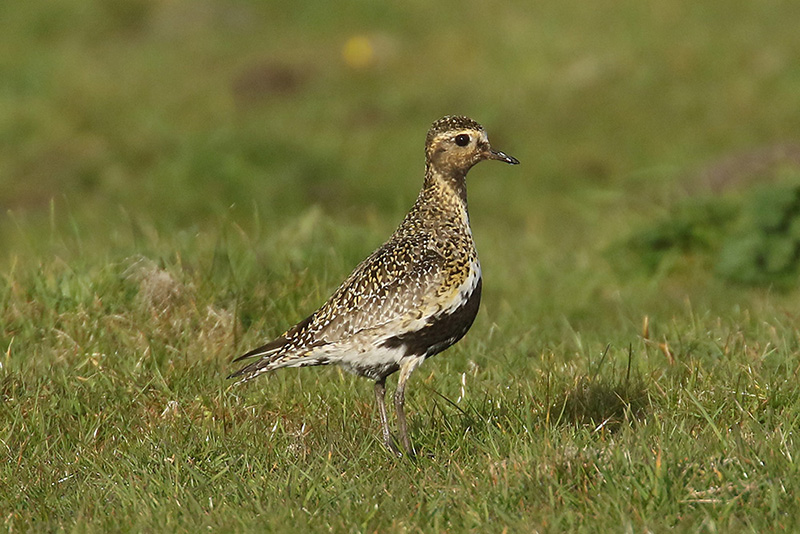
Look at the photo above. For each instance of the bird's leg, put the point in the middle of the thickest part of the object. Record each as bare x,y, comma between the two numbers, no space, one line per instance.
380,394
402,427
400,401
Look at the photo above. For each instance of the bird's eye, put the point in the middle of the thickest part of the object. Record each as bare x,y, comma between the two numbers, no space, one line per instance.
462,140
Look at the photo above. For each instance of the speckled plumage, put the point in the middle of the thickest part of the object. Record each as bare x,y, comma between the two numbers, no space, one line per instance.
414,296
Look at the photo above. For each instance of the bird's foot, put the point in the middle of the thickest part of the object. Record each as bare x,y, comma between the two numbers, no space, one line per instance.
392,446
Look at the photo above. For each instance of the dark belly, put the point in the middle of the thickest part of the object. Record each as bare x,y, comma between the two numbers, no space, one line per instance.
441,331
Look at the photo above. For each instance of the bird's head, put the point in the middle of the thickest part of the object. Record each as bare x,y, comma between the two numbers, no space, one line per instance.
454,144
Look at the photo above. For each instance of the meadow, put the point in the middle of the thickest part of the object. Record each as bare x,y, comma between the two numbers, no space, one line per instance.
181,181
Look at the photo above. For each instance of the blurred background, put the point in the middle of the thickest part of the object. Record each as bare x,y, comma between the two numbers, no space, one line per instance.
659,142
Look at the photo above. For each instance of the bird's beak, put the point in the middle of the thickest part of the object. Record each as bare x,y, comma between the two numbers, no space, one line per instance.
500,156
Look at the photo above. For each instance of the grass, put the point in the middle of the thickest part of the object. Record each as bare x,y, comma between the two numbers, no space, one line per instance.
182,180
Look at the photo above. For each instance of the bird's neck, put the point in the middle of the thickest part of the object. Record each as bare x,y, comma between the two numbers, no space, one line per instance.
446,189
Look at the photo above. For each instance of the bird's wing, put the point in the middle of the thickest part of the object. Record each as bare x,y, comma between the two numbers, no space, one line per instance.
397,284
397,289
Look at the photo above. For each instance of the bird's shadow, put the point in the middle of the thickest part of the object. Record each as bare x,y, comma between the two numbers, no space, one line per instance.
594,403
601,404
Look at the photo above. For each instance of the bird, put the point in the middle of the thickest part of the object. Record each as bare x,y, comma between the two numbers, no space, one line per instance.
412,298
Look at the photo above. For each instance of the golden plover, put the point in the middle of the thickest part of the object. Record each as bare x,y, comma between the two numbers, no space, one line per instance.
413,297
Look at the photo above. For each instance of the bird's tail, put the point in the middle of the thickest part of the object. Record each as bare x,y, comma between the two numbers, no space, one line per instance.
266,354
279,352
277,359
